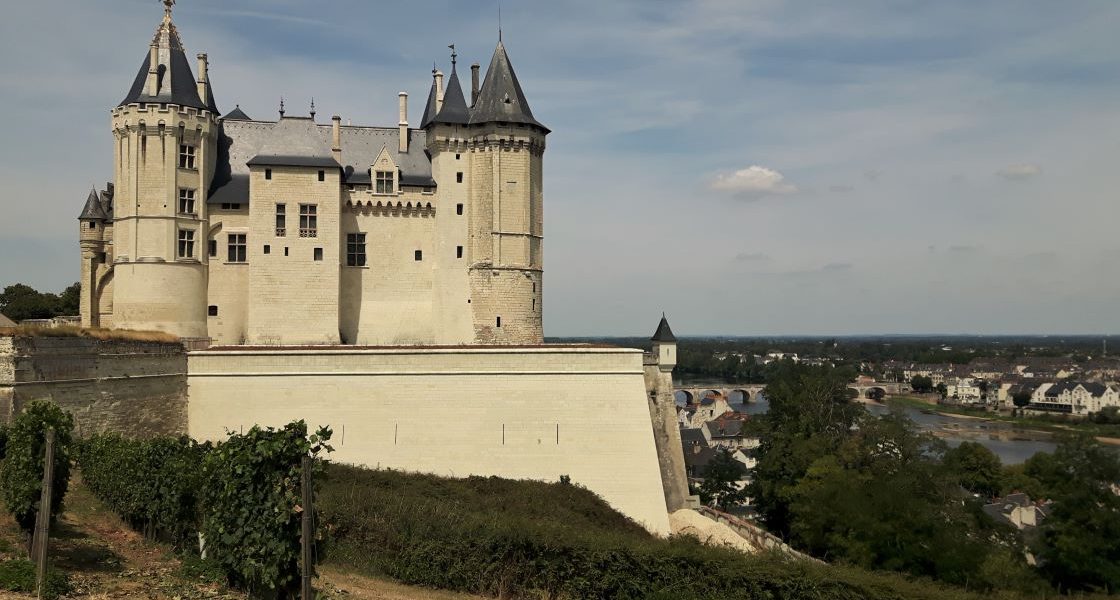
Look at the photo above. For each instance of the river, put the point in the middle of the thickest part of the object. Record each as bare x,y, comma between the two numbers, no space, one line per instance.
1011,444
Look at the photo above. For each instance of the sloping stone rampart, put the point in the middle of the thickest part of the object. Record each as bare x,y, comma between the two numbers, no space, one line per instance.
133,388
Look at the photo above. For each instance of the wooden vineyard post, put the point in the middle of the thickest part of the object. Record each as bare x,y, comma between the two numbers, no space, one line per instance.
307,537
43,517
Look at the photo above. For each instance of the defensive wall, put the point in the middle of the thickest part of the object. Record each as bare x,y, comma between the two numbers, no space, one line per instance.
133,387
520,412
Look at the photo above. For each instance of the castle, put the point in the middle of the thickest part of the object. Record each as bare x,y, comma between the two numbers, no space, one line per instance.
376,279
292,232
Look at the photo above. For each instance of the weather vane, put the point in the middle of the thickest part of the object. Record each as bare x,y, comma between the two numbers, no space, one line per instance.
453,54
167,4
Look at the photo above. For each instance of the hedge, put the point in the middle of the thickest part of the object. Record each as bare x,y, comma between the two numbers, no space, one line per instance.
21,476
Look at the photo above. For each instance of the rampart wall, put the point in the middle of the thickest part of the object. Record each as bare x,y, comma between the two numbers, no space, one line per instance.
134,388
534,412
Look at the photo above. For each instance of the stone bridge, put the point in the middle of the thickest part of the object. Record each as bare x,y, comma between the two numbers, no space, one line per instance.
748,392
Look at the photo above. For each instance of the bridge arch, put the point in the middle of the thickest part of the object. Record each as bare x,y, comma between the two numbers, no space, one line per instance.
740,395
710,392
684,396
875,393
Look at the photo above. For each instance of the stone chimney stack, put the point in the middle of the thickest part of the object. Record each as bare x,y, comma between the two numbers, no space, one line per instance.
439,91
336,138
203,76
153,70
402,121
474,83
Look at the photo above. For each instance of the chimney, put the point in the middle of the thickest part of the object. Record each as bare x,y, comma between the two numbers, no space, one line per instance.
402,122
336,138
203,76
439,91
474,83
153,70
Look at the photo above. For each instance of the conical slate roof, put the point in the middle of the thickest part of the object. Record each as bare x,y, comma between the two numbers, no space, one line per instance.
430,106
664,333
92,211
237,115
501,98
454,110
177,84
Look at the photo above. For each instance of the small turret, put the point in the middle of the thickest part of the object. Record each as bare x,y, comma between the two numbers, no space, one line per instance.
665,345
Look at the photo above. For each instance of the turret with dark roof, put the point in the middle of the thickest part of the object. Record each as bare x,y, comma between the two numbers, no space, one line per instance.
175,83
664,333
237,115
501,100
92,211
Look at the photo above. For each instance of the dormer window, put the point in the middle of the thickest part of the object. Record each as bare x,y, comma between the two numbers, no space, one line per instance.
385,183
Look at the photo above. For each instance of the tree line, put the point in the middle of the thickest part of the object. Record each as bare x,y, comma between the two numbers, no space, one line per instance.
20,302
875,492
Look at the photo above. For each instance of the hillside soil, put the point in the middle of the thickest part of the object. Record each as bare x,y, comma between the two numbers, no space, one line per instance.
105,559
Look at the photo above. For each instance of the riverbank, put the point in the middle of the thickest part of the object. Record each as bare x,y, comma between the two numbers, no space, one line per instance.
1105,434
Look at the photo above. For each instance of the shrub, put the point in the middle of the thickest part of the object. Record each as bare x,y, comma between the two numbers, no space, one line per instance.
526,539
18,575
252,510
153,485
21,478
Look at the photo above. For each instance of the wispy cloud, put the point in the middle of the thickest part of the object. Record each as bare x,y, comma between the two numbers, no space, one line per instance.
754,182
1020,172
752,257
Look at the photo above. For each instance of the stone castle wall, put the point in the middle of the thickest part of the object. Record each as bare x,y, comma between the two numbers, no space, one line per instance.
515,412
134,388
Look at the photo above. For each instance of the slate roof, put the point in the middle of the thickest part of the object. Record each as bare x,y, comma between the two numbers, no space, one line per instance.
500,99
236,115
92,211
177,82
1095,389
244,141
691,436
663,333
454,110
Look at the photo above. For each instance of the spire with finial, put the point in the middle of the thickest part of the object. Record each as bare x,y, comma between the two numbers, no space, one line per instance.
312,109
281,107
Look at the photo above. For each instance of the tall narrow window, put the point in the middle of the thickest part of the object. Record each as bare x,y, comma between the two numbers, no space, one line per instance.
458,209
186,243
237,248
308,220
385,182
458,252
186,156
281,220
268,173
318,254
186,201
322,175
212,246
459,177
499,321
355,249
418,255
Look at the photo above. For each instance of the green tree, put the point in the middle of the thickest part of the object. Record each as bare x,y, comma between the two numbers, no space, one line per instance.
1080,543
69,301
942,390
721,481
921,384
21,477
809,417
976,468
1021,398
19,302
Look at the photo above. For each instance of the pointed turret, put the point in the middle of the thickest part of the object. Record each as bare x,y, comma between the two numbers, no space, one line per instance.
431,107
664,333
165,76
92,211
501,98
454,111
665,346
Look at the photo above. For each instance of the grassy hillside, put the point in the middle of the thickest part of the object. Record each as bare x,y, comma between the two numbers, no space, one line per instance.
530,540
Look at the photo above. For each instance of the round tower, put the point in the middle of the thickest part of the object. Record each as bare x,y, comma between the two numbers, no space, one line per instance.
506,199
164,133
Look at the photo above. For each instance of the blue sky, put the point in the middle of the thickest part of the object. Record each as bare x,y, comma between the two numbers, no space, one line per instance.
751,167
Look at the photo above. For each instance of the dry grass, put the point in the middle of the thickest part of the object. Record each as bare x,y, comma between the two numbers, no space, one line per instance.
120,335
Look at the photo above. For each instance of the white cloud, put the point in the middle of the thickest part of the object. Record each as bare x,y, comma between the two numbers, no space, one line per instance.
754,182
1020,172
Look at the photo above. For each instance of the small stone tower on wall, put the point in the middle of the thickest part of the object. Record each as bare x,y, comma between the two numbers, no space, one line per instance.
165,133
658,367
487,159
